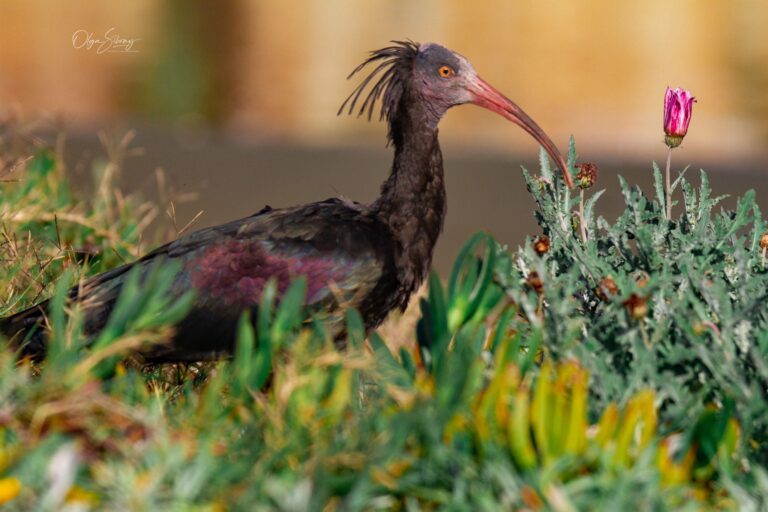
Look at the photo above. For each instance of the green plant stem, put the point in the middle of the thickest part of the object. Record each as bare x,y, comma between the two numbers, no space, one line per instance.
644,334
567,197
669,186
581,217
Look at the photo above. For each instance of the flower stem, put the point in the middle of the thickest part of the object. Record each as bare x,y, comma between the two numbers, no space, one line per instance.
581,217
644,334
669,186
763,258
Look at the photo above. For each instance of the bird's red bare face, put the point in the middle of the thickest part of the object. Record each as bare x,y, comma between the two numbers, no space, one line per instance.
448,79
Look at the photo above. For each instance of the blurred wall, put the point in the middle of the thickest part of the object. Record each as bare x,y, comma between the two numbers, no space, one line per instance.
275,69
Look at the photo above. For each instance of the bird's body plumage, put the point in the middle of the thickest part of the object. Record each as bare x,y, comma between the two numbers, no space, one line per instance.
371,257
342,249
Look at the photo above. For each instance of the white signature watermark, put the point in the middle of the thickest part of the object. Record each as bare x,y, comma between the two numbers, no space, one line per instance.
111,42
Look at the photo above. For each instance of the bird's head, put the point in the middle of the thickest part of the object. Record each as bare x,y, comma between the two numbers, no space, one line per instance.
440,79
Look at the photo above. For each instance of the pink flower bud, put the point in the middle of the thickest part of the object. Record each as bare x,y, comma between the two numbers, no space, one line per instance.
678,106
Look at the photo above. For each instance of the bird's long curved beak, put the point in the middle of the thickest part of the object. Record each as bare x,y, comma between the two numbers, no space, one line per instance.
486,96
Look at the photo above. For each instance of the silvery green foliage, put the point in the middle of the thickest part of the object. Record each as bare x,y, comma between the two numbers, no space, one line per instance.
704,338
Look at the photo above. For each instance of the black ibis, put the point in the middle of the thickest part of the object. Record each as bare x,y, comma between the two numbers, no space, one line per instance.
370,256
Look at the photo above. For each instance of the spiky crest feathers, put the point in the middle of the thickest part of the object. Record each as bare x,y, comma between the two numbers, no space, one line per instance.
394,65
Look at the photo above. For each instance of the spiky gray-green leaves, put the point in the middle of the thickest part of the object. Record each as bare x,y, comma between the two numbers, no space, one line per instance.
680,306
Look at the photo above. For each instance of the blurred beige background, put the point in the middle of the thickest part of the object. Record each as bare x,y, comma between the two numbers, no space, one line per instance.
237,100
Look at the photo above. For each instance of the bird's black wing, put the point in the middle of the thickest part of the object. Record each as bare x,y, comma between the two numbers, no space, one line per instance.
340,250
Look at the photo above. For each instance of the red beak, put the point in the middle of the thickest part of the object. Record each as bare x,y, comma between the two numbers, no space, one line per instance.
486,96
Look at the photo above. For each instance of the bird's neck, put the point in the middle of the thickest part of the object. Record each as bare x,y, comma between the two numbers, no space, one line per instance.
412,201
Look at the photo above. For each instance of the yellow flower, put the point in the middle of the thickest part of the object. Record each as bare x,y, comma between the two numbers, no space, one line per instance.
9,488
79,495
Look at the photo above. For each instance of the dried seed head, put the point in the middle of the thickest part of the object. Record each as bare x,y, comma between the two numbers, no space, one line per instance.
587,175
637,306
764,241
606,288
541,245
534,282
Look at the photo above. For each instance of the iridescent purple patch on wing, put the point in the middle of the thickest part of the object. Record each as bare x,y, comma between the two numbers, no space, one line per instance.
236,272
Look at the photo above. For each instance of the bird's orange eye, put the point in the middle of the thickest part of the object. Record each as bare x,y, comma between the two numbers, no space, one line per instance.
445,71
